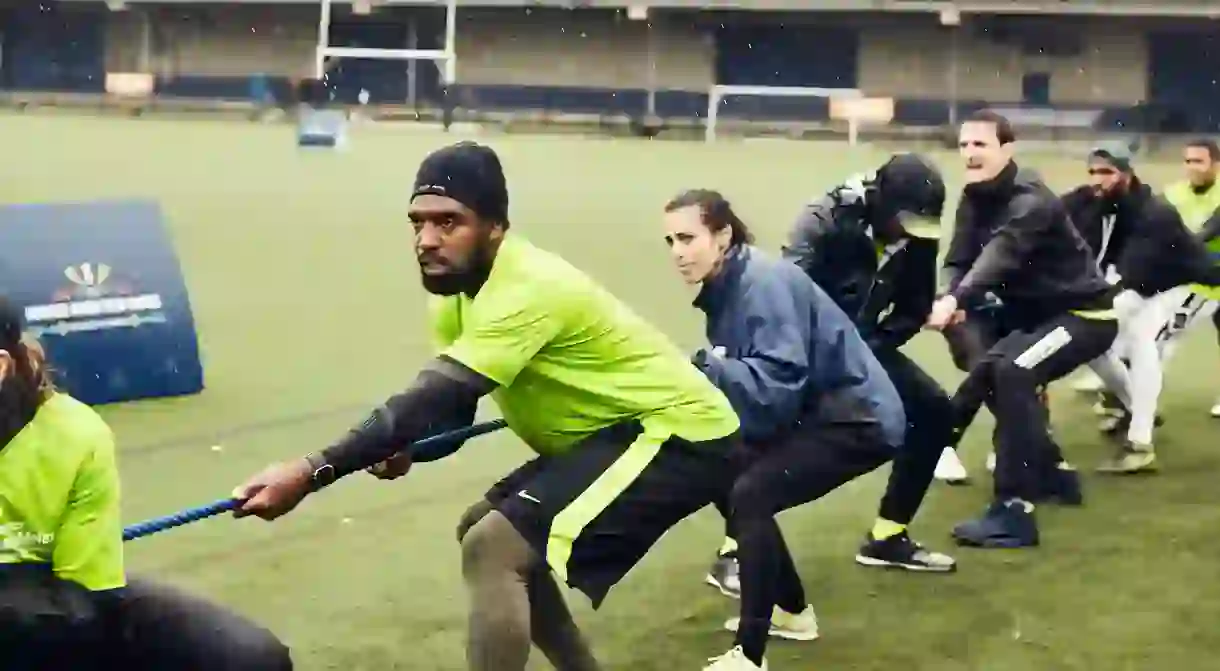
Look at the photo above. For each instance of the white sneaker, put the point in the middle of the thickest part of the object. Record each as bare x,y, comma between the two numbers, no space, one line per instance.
991,463
799,627
1216,410
1088,383
734,660
949,468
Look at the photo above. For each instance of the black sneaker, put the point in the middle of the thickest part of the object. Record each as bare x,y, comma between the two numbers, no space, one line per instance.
724,576
899,551
1008,524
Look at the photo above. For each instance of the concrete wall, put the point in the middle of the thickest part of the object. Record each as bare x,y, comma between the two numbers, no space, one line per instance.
905,56
213,41
512,47
582,49
911,59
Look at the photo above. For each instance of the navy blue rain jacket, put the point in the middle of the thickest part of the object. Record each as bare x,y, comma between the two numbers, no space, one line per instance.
784,351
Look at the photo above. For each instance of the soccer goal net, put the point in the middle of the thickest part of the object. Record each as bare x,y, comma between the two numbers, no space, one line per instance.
789,104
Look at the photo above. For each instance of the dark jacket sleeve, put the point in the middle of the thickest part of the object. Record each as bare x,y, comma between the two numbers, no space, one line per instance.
766,383
1076,201
960,254
1163,254
804,246
913,297
1210,229
1008,250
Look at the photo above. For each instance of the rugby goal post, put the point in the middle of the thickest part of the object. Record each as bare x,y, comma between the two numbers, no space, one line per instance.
446,58
849,105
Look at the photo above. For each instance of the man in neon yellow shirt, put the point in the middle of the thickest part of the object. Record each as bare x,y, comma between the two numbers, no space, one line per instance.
1197,199
631,438
65,600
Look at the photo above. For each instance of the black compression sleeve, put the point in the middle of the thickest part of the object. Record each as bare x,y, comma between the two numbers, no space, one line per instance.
442,396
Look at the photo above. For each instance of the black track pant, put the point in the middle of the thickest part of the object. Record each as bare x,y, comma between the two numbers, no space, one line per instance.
929,429
969,343
1012,373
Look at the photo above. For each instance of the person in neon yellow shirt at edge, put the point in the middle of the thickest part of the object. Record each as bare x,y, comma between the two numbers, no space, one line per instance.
630,437
1197,199
66,603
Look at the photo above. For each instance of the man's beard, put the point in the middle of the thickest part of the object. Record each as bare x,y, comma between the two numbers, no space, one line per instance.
1113,195
19,401
467,280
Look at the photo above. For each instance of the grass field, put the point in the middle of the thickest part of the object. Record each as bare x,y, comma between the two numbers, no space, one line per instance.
305,291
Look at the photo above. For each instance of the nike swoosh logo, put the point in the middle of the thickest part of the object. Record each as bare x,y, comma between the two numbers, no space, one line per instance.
527,496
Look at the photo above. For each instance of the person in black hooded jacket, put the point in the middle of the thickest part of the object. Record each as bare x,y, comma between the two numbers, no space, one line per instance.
1144,248
872,245
1013,238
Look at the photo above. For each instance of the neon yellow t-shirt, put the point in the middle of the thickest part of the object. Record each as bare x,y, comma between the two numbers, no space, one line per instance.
1195,209
59,496
572,359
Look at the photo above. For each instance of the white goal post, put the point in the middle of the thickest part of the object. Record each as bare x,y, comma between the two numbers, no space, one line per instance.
446,58
853,114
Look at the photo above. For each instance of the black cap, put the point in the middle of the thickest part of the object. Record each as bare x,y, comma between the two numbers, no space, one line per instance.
913,190
911,184
469,173
12,323
1116,154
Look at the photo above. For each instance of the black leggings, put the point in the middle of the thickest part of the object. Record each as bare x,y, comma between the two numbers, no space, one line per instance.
145,625
160,627
812,461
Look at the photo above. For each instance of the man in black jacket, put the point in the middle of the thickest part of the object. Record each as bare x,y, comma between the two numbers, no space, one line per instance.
1143,247
872,244
1013,238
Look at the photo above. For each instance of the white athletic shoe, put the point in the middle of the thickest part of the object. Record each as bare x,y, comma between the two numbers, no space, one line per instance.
1216,410
1088,383
799,627
734,660
949,468
991,463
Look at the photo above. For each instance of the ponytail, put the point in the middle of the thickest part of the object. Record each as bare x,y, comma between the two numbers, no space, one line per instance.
39,370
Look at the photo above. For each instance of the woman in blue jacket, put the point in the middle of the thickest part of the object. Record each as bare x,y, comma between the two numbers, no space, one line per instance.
816,408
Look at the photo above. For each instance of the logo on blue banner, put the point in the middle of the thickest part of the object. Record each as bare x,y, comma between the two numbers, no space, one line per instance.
101,287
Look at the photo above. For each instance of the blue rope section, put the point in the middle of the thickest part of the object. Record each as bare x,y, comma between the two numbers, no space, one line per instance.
159,524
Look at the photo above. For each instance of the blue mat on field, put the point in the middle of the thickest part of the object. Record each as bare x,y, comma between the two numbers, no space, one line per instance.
102,289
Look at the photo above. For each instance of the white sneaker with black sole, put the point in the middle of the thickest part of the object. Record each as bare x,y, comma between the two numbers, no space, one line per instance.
801,626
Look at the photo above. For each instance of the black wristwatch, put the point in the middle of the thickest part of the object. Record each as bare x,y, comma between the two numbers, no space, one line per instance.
322,474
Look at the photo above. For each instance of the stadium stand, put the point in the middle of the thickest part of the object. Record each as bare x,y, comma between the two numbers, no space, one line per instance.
1060,68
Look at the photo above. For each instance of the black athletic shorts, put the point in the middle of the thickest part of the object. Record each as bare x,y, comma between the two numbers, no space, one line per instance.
595,511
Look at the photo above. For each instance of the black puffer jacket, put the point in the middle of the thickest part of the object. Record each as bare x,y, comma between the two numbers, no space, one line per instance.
1142,236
